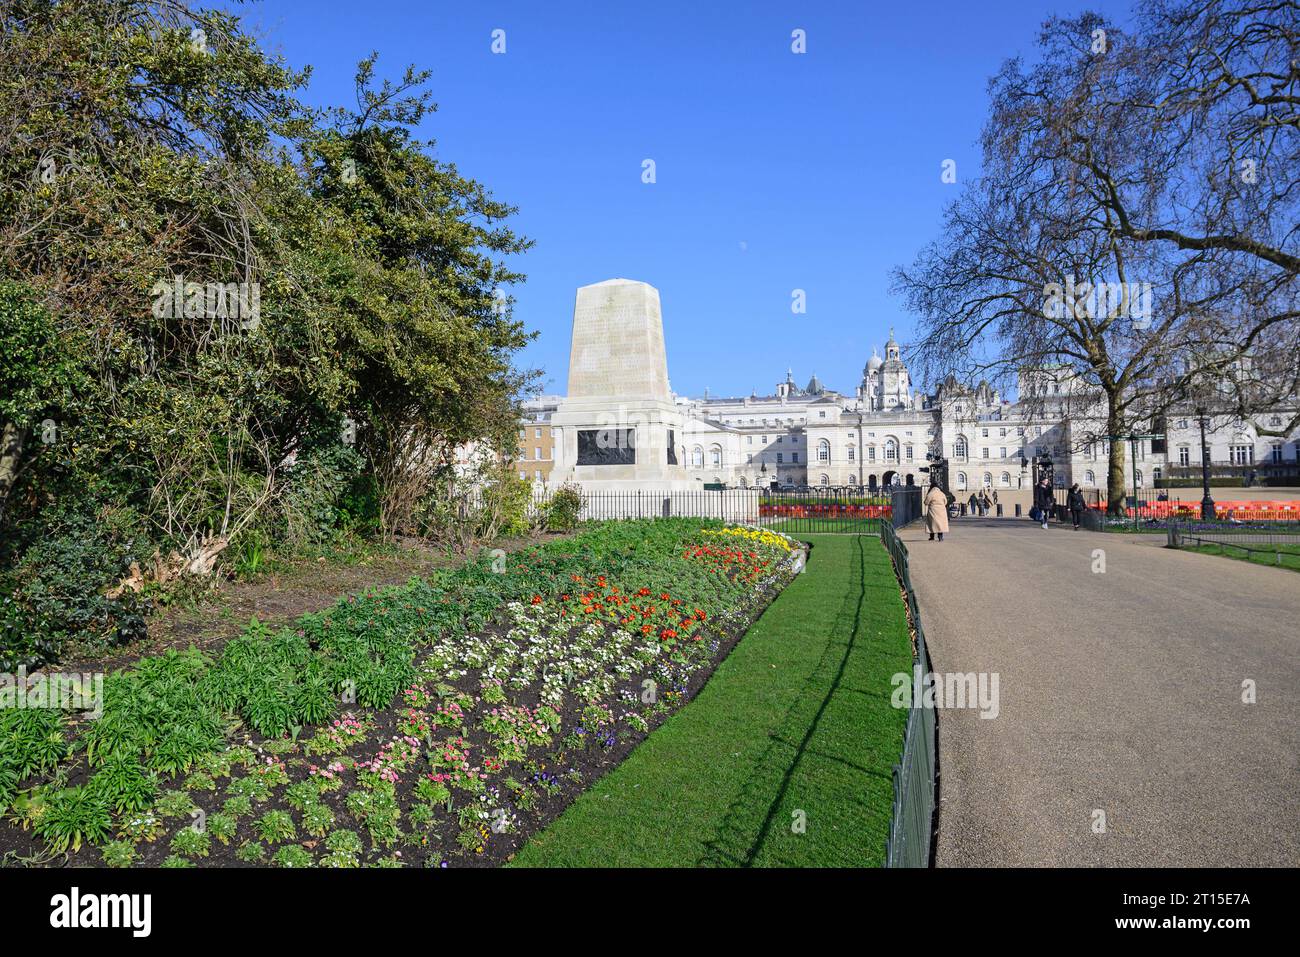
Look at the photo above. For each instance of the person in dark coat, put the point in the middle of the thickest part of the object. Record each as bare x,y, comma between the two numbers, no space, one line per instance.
973,504
1044,500
1075,503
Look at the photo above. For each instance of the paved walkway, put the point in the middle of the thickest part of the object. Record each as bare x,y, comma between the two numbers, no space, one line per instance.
1120,692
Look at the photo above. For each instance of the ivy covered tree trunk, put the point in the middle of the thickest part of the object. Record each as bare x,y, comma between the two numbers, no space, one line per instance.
11,451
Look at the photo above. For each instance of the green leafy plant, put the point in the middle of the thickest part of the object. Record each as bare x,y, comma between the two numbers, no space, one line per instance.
222,827
73,815
125,784
564,507
118,854
317,819
191,843
275,827
293,855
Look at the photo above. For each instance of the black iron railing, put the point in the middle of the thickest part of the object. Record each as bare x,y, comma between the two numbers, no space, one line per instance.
911,826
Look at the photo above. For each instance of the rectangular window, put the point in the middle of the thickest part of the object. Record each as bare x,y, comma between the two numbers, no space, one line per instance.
537,433
1184,455
1277,455
984,453
1002,451
1241,455
606,447
672,448
537,454
794,456
779,458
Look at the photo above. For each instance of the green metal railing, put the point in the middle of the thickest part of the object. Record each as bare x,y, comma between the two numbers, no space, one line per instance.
911,825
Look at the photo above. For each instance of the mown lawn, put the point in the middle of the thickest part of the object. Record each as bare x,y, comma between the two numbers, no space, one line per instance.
801,526
1290,554
794,726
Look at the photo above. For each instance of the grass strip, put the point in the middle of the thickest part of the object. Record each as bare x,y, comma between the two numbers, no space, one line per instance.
1262,555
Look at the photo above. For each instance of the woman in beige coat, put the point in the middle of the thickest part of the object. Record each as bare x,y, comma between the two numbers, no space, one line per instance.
936,512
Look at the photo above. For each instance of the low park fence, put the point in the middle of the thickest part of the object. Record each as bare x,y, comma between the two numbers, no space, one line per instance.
911,826
1277,542
846,510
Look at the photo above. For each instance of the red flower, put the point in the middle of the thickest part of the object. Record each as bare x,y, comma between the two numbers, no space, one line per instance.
537,599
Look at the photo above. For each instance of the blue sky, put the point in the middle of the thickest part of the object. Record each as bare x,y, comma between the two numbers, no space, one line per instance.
775,171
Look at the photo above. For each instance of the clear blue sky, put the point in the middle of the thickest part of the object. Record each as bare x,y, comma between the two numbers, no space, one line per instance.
775,171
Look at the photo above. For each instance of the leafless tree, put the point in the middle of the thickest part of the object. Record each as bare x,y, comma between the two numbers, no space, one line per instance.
1160,161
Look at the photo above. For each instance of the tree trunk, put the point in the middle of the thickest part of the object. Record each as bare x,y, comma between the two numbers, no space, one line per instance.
11,453
1115,470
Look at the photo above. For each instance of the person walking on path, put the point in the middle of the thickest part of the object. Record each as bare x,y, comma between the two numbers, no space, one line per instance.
936,512
1074,501
986,503
973,504
1043,500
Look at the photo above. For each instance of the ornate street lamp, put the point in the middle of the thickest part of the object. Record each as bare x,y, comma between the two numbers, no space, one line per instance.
1207,502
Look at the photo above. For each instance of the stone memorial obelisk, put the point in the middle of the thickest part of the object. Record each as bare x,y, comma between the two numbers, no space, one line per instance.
619,429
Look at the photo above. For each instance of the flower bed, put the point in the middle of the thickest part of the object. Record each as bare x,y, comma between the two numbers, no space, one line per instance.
1242,511
435,724
826,510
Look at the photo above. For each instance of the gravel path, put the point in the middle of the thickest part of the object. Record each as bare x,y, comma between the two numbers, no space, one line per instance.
1120,692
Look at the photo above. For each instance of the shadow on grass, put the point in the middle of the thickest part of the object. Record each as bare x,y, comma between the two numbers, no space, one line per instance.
747,835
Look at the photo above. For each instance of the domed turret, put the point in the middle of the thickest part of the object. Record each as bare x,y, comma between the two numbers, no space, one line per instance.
874,363
814,385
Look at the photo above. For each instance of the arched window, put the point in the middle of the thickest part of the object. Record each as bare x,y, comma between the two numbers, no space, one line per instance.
959,447
891,450
1005,480
715,456
988,480
823,451
1089,478
1138,478
825,479
961,480
853,479
744,482
697,457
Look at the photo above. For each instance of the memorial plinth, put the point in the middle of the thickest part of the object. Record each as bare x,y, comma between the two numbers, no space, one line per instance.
619,428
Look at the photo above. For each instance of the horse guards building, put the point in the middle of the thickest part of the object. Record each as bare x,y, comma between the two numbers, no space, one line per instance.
621,427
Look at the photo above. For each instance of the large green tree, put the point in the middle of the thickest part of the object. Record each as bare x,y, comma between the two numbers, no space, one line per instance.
144,144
